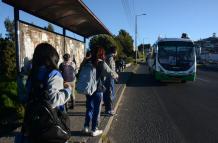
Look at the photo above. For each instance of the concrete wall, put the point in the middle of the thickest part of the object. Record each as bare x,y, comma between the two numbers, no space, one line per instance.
30,37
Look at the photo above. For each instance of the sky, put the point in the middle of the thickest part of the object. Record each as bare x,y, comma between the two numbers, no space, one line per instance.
165,18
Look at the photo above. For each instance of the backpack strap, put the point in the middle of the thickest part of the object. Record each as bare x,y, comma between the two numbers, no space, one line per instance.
99,70
99,78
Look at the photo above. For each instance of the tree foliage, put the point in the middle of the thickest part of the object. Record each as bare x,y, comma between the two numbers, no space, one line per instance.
126,42
9,25
49,27
123,43
11,111
7,58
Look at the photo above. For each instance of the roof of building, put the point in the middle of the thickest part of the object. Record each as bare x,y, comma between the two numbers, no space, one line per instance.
73,15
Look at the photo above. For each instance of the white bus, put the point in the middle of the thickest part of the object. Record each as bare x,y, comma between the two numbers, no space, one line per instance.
173,59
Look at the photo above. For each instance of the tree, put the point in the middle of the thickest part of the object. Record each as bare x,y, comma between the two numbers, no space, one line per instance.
126,42
123,43
7,51
9,25
49,27
8,60
11,111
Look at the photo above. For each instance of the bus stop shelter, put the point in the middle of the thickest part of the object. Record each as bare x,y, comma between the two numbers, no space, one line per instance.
71,15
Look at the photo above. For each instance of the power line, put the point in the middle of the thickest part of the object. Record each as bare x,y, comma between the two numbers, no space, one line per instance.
132,7
126,11
131,17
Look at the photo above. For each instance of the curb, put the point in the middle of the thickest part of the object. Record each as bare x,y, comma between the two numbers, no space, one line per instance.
107,128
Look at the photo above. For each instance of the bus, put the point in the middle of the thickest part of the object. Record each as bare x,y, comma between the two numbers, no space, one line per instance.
173,59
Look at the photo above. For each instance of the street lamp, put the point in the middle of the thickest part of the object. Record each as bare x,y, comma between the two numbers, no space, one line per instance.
136,48
143,50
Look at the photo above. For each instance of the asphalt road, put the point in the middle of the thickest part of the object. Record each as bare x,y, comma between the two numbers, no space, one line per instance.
153,112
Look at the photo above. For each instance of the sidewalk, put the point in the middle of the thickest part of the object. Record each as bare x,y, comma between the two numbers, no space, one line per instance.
77,116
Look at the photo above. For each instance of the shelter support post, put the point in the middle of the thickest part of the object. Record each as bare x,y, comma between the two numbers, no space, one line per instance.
16,29
64,34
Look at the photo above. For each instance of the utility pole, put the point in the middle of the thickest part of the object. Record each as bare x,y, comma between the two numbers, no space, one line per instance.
136,32
143,50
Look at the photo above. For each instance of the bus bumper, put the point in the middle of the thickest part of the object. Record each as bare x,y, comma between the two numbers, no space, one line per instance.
166,77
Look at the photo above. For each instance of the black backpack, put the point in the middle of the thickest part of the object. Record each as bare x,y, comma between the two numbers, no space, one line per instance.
42,123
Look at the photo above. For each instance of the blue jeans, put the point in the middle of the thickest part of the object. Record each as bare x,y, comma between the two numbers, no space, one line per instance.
93,109
109,94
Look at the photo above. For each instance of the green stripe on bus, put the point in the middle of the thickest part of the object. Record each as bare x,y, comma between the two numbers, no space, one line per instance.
163,76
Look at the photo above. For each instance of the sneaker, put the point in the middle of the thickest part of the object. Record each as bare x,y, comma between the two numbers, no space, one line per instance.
96,132
110,113
86,130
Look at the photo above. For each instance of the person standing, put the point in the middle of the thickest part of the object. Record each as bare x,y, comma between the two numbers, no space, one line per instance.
45,82
93,102
109,94
68,70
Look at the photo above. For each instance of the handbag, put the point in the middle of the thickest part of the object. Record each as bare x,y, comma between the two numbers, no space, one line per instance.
42,123
45,124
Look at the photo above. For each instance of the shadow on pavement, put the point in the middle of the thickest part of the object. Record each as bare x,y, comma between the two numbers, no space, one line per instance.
144,80
79,133
76,113
213,68
122,77
80,104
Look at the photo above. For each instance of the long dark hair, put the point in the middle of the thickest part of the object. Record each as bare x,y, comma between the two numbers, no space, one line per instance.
44,55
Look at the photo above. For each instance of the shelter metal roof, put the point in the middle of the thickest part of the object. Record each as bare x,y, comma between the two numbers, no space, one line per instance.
72,15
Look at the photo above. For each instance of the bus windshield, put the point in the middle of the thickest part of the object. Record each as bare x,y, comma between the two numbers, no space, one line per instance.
176,55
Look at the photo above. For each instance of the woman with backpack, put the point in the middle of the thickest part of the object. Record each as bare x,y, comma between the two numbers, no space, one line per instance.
93,102
45,85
